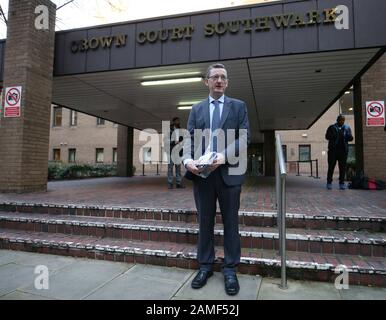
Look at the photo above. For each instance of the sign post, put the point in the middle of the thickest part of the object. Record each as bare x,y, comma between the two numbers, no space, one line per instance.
375,113
12,102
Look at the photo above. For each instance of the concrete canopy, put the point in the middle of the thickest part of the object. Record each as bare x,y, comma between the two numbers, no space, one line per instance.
287,60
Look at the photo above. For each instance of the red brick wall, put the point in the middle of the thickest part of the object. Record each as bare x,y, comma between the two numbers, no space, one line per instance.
28,63
374,146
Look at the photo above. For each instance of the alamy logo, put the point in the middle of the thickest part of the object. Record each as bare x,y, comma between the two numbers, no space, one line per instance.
341,281
42,20
42,280
342,18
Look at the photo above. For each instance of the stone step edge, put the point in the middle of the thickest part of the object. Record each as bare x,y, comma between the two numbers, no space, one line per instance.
291,264
185,230
264,214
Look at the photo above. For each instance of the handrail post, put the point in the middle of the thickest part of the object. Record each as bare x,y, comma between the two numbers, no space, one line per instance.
281,173
311,168
143,169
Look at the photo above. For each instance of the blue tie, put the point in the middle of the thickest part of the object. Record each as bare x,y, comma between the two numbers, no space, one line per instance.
215,123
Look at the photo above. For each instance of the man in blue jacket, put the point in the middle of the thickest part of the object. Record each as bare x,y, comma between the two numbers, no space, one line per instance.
338,136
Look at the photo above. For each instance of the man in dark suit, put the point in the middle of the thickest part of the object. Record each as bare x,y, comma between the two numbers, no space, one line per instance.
218,112
338,136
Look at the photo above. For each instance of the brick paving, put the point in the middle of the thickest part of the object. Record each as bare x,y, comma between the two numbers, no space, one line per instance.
304,196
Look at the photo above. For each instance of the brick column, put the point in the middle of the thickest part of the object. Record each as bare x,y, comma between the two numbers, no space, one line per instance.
374,138
125,151
28,62
269,153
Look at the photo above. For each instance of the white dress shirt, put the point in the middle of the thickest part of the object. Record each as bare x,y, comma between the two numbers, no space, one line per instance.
211,110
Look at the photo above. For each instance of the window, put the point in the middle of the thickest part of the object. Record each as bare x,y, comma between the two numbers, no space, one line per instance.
56,154
99,155
57,117
73,118
114,155
284,152
100,121
304,152
346,103
71,155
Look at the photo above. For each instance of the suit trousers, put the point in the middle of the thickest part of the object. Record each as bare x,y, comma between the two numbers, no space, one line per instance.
206,193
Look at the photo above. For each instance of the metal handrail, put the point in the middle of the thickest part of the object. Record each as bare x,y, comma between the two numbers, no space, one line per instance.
281,174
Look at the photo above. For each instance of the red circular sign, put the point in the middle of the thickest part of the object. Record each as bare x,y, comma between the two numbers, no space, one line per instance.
375,109
13,96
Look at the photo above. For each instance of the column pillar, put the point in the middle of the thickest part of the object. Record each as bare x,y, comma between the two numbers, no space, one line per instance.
28,62
373,84
269,153
125,146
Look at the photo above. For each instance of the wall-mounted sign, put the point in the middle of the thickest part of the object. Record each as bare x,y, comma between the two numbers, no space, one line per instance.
185,32
375,113
12,102
98,42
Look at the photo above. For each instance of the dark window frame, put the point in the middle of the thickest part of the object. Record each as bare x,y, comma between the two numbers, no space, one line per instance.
54,123
53,154
309,148
69,155
75,123
96,155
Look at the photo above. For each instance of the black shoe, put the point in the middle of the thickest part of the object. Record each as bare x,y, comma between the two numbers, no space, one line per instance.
200,279
170,186
180,186
232,286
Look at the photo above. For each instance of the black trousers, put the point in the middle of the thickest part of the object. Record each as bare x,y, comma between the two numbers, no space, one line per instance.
333,157
206,193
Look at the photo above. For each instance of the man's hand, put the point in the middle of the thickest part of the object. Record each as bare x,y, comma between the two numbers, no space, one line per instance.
220,159
191,166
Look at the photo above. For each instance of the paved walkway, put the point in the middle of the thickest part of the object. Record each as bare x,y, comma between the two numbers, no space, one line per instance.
304,195
79,279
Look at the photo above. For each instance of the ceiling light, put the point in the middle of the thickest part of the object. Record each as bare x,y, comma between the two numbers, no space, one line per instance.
350,109
188,103
170,81
347,92
168,75
185,108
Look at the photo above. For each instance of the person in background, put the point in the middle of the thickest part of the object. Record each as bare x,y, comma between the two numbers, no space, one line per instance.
338,136
175,140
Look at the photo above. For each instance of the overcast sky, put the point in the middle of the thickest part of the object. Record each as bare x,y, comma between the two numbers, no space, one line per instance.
82,13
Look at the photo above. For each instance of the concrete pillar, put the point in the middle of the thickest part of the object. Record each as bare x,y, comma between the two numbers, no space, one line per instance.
28,62
125,147
374,138
269,153
358,120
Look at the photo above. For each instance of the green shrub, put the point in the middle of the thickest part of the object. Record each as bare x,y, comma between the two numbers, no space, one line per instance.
58,170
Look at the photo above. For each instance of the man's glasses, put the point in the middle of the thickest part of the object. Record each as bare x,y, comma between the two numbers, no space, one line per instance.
217,77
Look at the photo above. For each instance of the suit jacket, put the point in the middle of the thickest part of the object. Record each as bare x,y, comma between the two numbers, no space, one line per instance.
234,116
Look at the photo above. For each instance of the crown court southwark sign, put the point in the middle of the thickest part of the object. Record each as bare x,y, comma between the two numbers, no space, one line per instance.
257,24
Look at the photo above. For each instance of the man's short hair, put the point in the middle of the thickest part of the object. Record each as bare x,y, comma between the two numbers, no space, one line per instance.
175,118
341,116
214,66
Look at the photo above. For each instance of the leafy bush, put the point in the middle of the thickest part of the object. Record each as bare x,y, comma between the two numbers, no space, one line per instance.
58,170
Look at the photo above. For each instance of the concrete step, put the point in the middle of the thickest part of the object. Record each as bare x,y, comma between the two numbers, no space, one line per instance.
349,222
305,266
300,240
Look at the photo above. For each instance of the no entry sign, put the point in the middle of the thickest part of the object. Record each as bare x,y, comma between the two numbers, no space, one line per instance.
375,113
12,102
